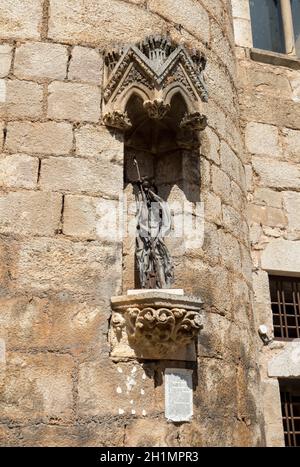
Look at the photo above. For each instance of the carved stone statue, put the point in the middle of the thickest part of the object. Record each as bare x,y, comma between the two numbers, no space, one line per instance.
153,259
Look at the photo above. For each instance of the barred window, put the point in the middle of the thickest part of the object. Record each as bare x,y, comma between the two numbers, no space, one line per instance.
290,406
285,301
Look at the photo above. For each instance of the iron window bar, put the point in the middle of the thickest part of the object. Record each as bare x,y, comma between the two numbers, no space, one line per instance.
285,302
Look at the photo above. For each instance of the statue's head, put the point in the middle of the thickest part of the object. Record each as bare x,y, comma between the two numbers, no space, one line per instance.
148,184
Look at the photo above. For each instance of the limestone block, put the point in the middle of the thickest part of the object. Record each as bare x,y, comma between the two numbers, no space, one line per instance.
238,198
1,134
282,256
93,141
222,44
249,177
230,162
73,101
232,219
82,176
266,215
219,86
20,19
212,208
210,145
37,387
287,363
56,324
262,139
71,21
279,112
268,197
5,59
39,138
292,205
230,251
34,213
240,9
18,95
18,171
36,60
242,32
292,143
279,175
190,15
261,287
93,218
86,65
124,382
91,271
221,183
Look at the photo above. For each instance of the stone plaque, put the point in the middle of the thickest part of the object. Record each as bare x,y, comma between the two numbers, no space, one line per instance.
178,394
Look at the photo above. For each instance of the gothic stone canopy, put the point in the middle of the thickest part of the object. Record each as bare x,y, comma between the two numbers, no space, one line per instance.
155,71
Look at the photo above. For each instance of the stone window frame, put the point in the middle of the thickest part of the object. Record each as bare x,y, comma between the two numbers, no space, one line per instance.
288,27
244,37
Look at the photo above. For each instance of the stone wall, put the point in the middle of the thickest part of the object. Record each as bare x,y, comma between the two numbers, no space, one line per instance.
269,93
58,385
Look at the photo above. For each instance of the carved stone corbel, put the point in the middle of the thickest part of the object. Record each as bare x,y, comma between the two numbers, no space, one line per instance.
118,120
156,109
155,325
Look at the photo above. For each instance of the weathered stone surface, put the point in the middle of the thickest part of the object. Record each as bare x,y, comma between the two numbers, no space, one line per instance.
262,139
287,363
20,19
82,176
221,183
266,215
213,208
18,171
282,256
129,384
71,21
197,23
58,324
230,163
261,287
37,388
73,101
93,141
292,205
92,218
292,143
242,32
91,270
36,60
210,145
230,251
86,65
39,138
275,174
240,9
17,96
268,197
5,59
32,212
272,413
1,134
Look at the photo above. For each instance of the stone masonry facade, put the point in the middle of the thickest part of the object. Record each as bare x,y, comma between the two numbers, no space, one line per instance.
59,163
269,94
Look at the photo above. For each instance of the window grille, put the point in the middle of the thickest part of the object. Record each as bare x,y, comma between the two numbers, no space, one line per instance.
290,405
285,301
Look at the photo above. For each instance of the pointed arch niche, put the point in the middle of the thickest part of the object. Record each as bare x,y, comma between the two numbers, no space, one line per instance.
153,93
